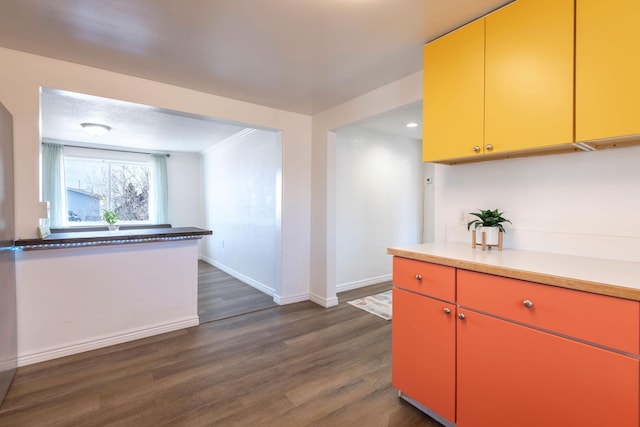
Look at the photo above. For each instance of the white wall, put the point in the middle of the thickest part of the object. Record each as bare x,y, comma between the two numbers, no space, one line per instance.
583,203
242,192
379,203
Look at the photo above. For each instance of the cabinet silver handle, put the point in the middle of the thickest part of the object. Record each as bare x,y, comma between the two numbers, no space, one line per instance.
460,315
476,149
447,310
488,147
418,276
527,303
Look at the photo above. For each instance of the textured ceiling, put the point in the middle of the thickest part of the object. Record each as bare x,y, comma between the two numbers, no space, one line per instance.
135,126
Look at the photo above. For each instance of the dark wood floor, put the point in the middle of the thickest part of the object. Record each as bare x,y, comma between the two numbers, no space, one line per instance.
295,365
221,295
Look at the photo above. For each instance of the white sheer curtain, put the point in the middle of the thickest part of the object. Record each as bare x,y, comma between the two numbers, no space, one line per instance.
53,186
159,194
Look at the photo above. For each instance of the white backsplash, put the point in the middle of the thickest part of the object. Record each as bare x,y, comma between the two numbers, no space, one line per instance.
584,204
591,245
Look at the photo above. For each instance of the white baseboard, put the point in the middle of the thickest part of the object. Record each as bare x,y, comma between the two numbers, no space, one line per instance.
290,299
324,302
105,341
362,283
248,280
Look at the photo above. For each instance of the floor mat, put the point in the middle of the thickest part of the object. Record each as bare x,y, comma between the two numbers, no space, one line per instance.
379,304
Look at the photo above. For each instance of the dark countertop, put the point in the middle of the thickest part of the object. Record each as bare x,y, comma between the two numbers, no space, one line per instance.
120,237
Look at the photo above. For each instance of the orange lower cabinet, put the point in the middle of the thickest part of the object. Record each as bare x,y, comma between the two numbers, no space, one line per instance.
424,352
513,375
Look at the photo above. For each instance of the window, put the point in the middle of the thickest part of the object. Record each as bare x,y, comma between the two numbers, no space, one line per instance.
79,183
93,185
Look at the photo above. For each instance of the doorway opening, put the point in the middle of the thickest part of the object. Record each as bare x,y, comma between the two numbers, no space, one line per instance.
381,194
221,175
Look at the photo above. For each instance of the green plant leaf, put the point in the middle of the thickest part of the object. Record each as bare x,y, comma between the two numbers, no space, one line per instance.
488,218
109,216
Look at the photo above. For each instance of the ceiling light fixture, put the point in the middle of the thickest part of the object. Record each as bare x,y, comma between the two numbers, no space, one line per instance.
412,125
95,129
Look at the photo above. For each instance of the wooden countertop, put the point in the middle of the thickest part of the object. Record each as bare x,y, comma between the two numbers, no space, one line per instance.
99,238
601,276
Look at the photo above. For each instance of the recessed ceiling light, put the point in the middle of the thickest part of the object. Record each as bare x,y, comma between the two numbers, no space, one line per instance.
95,129
412,125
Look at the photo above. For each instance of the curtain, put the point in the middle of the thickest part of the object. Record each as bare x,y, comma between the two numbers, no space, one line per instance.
53,186
159,194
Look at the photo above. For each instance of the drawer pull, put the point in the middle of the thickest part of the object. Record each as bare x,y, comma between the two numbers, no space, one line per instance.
527,303
418,276
447,310
460,315
476,149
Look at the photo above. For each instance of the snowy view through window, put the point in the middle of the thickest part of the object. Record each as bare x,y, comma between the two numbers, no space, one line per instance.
94,185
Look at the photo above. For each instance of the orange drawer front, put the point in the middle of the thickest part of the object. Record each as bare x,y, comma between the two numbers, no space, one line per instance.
604,320
435,280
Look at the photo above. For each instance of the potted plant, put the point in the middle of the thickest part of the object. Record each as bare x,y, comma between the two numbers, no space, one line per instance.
490,222
110,217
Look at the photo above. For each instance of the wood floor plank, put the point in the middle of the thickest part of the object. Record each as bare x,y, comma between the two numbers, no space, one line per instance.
221,295
294,365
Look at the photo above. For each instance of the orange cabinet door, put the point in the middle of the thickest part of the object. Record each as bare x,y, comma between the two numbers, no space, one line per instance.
453,94
607,68
529,75
424,351
511,375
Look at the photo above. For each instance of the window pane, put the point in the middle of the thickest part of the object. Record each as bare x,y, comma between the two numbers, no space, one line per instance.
130,191
94,185
86,182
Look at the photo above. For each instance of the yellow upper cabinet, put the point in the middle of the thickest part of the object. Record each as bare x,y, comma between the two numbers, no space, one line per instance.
607,68
453,101
529,75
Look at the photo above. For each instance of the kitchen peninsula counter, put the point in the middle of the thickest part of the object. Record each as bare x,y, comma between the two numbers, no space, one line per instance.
600,276
82,290
118,237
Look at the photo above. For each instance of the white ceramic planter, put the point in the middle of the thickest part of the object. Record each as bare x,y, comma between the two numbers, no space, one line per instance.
492,235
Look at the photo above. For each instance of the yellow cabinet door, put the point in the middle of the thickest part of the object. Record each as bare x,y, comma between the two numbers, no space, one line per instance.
607,68
529,75
453,99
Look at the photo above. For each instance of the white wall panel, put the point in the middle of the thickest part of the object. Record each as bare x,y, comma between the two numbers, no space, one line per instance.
242,206
379,203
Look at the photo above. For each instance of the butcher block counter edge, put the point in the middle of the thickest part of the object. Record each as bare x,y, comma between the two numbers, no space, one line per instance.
600,276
